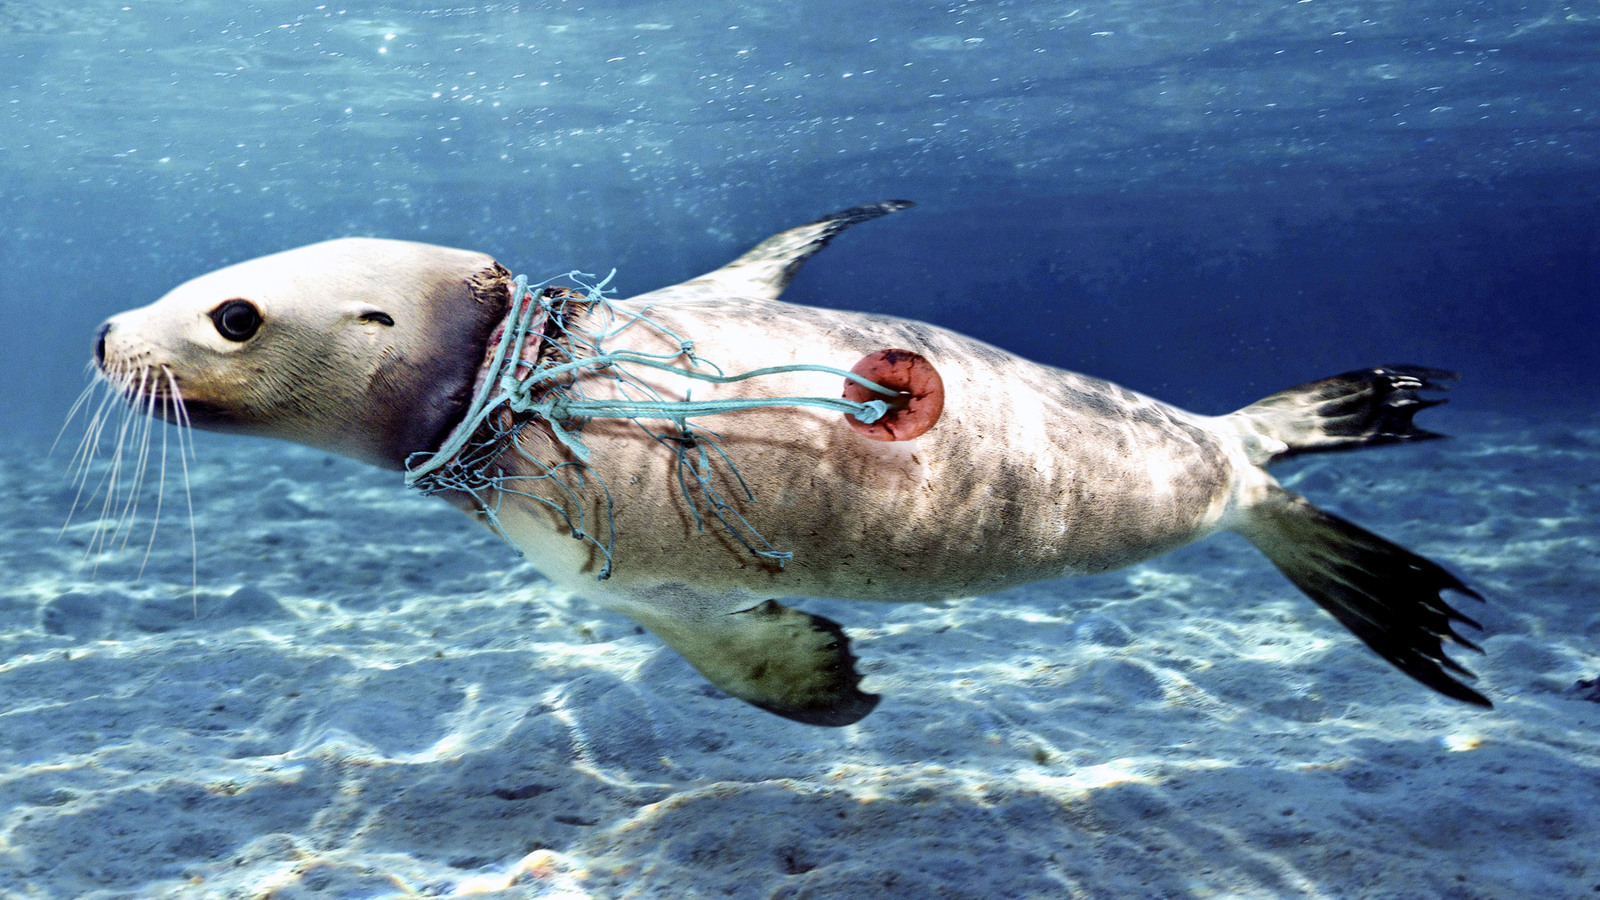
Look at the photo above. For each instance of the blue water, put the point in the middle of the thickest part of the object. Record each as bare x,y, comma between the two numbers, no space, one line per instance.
343,689
1207,201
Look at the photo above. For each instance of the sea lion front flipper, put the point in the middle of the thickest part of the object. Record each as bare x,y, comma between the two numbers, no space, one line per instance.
785,661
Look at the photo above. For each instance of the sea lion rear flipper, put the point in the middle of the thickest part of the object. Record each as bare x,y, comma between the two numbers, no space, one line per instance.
785,661
767,268
1356,409
1388,596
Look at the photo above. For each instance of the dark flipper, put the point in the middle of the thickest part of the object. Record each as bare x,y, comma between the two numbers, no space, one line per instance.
1387,595
785,661
766,269
814,679
1356,409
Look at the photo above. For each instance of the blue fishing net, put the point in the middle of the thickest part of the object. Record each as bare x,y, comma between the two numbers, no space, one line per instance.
553,389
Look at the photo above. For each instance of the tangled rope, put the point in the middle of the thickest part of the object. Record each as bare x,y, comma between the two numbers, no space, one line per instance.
540,369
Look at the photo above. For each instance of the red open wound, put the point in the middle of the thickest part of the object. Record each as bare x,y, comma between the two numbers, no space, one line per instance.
921,399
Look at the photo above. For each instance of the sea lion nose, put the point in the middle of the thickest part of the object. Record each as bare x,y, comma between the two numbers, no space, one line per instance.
100,344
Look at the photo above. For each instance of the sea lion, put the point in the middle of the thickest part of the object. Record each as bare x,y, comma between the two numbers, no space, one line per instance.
377,349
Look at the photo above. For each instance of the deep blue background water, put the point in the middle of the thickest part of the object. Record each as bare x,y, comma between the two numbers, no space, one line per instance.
1206,201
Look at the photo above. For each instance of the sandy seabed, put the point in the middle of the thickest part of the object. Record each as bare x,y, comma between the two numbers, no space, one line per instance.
370,697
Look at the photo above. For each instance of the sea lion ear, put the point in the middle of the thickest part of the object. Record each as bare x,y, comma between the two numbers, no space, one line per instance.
782,660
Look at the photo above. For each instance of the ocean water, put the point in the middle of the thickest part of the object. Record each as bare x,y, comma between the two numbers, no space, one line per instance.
322,685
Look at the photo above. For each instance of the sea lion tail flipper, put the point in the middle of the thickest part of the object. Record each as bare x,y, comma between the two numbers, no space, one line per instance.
782,660
767,268
1356,409
1387,595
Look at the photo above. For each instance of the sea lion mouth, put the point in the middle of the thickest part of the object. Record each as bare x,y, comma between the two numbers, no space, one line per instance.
203,414
158,393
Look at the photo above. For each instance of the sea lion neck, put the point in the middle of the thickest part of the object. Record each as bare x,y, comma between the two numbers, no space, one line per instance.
427,395
534,332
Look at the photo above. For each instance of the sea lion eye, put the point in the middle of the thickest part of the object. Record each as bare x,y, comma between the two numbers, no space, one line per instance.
237,320
378,317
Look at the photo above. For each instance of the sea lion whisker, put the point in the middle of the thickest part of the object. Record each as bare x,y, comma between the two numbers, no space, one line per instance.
109,484
114,384
184,428
161,490
180,412
72,413
151,422
124,466
89,445
76,468
145,420
107,480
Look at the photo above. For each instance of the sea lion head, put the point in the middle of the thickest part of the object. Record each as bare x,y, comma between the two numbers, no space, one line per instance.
361,346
